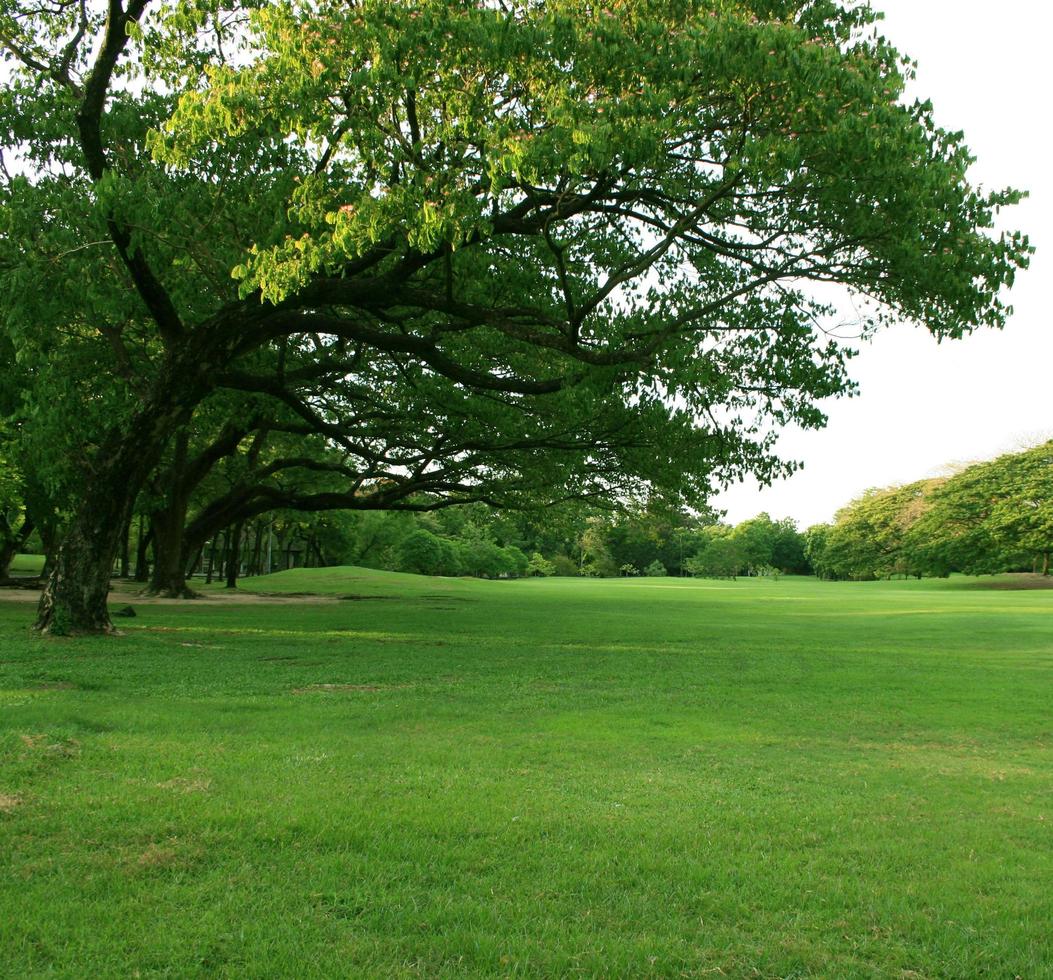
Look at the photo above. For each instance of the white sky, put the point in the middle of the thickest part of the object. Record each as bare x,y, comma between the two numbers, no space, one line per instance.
921,405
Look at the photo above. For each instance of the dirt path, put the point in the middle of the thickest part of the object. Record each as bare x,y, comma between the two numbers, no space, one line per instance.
127,593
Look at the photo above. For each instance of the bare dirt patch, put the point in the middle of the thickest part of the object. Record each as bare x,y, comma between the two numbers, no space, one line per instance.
123,593
19,595
9,803
157,857
161,857
186,784
63,748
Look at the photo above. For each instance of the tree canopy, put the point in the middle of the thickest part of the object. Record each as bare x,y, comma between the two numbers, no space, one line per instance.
492,251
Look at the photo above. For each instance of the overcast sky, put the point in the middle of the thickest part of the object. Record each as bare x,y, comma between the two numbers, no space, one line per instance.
923,406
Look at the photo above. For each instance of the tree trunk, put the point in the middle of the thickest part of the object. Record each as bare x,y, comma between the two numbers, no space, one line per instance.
194,565
49,537
168,523
1045,563
257,550
233,556
74,598
7,555
142,566
211,559
318,553
12,545
125,555
168,578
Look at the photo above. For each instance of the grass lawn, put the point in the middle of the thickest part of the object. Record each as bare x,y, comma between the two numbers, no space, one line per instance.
544,778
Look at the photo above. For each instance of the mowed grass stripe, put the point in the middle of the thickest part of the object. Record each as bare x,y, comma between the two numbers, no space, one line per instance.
541,778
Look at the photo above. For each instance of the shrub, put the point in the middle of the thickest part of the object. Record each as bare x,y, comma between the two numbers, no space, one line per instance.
540,566
426,554
564,566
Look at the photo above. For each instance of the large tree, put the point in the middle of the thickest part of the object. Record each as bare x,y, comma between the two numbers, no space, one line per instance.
579,240
878,535
993,516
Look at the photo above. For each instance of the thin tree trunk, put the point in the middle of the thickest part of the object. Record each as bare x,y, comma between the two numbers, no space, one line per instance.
125,550
194,565
1045,563
142,566
7,555
233,556
318,553
211,559
257,550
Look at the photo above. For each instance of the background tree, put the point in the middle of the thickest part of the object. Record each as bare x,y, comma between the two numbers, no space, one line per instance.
27,510
994,516
788,549
373,536
594,558
874,536
15,525
816,541
755,541
718,557
1022,512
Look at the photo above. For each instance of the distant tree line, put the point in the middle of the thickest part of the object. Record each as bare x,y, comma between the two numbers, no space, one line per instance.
572,540
990,517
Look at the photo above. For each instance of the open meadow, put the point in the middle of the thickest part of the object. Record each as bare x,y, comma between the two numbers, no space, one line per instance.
403,776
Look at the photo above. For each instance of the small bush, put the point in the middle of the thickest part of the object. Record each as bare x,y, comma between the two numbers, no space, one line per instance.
540,566
564,566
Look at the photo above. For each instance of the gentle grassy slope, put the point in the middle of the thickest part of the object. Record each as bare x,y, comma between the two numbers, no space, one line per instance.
647,777
351,581
27,565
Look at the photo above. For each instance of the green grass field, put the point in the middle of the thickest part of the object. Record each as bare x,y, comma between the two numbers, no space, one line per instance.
537,778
